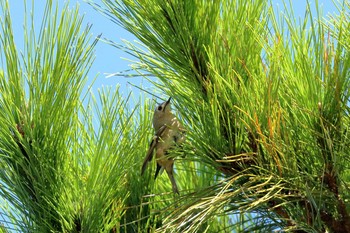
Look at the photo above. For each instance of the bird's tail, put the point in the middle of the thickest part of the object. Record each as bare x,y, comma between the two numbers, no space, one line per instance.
159,169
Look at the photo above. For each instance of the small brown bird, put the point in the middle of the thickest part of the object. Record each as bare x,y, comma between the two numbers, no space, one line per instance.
168,133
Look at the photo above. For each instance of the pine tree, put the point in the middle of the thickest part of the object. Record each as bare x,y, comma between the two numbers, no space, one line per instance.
266,103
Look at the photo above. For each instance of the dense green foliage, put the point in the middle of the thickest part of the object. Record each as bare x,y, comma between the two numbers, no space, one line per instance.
265,101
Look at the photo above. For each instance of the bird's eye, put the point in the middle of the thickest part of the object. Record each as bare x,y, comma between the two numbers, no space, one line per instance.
160,108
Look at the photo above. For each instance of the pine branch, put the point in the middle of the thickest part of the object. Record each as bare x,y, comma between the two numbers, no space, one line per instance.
250,91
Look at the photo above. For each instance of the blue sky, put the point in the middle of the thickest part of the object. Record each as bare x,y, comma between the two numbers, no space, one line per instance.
109,59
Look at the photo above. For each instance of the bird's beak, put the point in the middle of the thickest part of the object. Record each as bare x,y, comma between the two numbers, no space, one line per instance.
166,103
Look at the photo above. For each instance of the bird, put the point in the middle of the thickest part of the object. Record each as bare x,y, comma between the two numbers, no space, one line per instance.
169,132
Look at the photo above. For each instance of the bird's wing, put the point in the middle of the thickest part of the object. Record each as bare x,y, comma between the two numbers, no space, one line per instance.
158,169
180,136
161,130
152,145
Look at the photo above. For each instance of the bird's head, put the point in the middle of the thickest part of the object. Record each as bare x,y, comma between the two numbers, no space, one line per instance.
163,108
162,114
